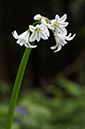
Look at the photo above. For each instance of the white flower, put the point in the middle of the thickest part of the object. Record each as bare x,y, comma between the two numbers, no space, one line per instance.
43,20
38,32
23,39
58,24
61,40
41,31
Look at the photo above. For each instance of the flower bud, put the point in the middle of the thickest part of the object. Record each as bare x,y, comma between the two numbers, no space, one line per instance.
37,17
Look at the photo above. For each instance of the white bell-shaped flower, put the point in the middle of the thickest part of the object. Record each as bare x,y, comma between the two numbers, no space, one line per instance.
61,40
58,24
38,32
23,39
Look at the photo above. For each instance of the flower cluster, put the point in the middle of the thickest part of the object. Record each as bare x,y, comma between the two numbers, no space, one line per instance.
40,30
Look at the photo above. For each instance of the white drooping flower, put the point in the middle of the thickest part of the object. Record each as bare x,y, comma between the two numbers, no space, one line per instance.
38,32
43,20
61,40
23,39
58,24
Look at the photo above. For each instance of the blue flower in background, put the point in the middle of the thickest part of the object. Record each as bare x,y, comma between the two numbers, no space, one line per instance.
23,111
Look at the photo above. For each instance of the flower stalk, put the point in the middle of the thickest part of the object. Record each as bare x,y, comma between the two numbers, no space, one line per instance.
16,87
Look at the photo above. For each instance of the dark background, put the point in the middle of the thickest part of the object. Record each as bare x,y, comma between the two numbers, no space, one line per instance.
44,64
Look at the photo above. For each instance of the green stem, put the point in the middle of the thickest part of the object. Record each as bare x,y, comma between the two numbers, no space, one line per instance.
16,88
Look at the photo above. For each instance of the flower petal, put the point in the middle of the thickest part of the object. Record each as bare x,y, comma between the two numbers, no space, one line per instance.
51,26
58,49
29,45
20,42
38,37
53,47
24,35
32,28
33,37
43,21
63,30
57,17
15,35
68,38
63,18
43,36
47,31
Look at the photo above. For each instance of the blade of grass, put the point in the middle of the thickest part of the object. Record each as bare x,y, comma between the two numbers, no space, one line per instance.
16,87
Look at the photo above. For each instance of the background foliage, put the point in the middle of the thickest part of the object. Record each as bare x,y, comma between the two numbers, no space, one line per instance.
53,90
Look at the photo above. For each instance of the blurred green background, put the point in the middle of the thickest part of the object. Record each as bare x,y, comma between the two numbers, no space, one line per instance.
52,94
